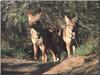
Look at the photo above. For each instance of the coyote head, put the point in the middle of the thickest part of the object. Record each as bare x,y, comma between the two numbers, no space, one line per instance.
33,18
71,23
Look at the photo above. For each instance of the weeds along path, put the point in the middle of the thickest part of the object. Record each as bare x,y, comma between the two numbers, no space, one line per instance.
74,65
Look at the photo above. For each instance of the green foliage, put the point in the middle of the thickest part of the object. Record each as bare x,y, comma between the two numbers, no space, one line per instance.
88,47
14,23
20,54
6,52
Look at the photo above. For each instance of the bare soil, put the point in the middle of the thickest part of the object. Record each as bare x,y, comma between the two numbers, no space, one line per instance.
80,65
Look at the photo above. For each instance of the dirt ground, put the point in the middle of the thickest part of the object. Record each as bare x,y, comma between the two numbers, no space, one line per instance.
80,65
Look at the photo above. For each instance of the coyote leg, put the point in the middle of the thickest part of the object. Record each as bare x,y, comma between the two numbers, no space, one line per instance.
35,48
55,59
68,50
44,55
73,50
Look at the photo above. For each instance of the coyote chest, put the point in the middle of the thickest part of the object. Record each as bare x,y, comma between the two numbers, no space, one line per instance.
67,35
34,33
35,37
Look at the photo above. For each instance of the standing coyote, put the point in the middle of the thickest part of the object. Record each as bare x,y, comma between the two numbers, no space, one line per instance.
69,34
41,37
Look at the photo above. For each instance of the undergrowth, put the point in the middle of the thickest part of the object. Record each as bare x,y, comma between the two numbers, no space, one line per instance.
84,49
89,46
17,53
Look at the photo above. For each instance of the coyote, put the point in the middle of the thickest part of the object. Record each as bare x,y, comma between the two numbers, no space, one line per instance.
41,37
69,34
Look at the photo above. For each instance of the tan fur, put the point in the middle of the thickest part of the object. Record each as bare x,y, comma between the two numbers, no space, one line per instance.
68,34
38,42
33,19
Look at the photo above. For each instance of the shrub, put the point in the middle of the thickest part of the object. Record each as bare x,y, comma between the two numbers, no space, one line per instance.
20,53
89,46
17,53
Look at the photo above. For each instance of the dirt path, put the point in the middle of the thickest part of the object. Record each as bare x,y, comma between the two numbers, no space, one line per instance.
74,66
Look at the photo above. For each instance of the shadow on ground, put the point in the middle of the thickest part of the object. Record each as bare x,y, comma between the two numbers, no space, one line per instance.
25,68
71,66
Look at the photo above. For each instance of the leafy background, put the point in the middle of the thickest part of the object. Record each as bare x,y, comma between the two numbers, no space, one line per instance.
15,36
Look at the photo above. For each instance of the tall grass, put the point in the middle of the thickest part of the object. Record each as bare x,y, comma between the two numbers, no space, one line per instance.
11,52
19,54
89,46
16,50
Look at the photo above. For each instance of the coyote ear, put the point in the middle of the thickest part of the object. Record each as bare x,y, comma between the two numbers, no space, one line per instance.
75,19
67,19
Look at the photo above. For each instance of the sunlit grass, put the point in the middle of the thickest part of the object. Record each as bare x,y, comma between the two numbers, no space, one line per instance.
86,48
